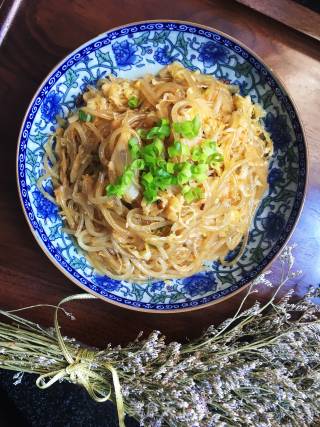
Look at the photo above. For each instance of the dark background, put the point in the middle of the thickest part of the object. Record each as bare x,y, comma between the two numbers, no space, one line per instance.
64,405
311,4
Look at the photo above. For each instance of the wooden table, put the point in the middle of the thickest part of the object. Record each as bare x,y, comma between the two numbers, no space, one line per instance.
41,33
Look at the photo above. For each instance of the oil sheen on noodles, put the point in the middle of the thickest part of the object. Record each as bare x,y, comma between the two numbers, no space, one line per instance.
136,236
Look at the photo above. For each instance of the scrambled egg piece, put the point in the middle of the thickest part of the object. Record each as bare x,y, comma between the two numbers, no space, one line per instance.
119,92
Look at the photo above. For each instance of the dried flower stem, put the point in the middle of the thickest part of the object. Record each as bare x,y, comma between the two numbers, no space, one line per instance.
259,368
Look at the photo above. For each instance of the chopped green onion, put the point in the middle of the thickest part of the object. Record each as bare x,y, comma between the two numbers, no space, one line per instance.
186,168
150,190
161,163
142,133
209,148
185,189
189,128
150,195
185,173
151,153
164,122
162,130
133,102
192,194
148,150
197,154
127,177
149,156
158,174
147,177
206,153
175,149
185,150
215,158
137,164
119,187
196,125
163,178
134,148
113,190
85,117
133,142
158,146
170,167
200,172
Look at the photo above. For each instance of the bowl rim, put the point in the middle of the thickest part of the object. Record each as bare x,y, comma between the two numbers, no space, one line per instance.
232,293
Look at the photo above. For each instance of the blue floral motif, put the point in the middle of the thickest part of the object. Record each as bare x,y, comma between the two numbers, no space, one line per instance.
273,224
232,254
274,177
279,130
157,286
91,81
242,87
86,59
87,81
44,208
163,56
215,265
55,232
211,53
200,283
48,186
107,283
50,107
125,53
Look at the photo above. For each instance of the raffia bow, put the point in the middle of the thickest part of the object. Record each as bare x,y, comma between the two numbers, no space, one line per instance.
79,369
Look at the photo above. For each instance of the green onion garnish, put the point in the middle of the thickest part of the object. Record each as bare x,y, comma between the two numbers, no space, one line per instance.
197,154
85,117
133,102
215,159
137,164
147,177
119,187
134,147
150,190
142,133
175,149
206,153
164,179
192,194
158,173
209,148
179,149
200,172
122,183
185,150
162,130
170,167
158,146
185,173
189,128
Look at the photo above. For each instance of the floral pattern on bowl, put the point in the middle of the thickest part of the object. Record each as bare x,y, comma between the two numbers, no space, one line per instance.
130,52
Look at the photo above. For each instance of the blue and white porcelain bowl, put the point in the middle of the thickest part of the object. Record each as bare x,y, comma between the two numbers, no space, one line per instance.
131,51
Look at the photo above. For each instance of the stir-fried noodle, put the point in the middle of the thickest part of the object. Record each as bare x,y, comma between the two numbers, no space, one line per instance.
155,176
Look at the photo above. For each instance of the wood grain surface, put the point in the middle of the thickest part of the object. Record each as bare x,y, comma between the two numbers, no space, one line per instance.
39,36
289,13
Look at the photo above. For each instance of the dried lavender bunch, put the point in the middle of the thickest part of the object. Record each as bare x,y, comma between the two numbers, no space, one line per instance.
260,368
